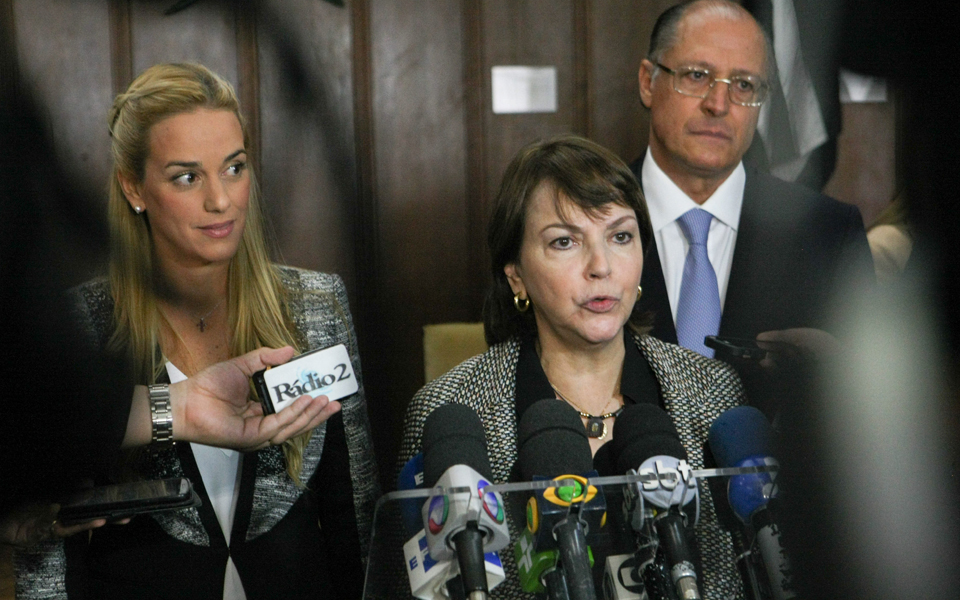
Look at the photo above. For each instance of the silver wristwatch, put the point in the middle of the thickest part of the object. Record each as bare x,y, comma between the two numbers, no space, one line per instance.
161,414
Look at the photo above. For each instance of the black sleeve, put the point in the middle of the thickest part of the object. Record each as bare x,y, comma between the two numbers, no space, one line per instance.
64,413
337,513
63,409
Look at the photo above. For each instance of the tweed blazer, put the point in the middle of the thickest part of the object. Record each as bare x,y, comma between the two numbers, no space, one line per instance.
273,515
695,390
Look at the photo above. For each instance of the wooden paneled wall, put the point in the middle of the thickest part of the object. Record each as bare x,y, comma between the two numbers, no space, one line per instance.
377,148
435,152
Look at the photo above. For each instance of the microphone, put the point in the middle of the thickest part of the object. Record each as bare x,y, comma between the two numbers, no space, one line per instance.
646,442
747,560
426,575
539,571
465,525
742,437
553,553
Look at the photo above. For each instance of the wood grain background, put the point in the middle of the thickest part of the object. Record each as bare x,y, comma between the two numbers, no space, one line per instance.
376,146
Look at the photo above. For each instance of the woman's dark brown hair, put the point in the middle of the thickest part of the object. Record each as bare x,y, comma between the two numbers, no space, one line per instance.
579,170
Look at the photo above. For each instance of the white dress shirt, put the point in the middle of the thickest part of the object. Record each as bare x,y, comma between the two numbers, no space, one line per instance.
667,202
220,471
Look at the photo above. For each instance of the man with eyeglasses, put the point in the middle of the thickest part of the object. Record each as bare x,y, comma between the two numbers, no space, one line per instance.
738,252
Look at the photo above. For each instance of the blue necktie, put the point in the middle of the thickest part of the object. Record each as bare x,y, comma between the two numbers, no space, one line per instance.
698,311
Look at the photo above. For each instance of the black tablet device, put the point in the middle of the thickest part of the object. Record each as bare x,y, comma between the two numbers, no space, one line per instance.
123,500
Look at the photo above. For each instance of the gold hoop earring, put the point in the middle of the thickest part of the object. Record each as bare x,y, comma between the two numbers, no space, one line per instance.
517,300
639,292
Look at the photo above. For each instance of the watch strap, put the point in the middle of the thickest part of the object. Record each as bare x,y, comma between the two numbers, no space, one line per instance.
161,414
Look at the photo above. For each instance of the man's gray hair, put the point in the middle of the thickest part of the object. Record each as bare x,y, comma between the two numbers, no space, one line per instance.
666,31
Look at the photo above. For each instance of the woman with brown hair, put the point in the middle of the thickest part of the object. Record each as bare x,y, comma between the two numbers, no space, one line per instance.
568,235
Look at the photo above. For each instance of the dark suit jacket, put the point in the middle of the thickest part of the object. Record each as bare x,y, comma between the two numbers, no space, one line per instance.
794,246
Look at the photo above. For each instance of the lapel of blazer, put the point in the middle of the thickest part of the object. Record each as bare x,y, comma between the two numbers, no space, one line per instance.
753,247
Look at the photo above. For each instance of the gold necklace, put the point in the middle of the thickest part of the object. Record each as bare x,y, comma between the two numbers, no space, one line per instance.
595,426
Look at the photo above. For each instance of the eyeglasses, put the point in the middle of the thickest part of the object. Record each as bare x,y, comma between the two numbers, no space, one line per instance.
745,90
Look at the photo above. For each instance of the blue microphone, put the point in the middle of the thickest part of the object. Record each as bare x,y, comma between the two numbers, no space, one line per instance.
742,437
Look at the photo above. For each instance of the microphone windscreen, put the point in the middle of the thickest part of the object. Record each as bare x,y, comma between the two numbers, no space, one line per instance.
641,431
740,433
552,441
453,435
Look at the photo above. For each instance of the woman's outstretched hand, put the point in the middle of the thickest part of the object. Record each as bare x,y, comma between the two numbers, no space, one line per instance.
214,406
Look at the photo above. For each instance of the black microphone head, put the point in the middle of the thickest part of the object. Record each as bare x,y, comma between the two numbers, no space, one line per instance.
453,435
641,431
552,441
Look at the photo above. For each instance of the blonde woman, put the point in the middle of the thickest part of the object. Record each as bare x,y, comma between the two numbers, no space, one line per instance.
191,285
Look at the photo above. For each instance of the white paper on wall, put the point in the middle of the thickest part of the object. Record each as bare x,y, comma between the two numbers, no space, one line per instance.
520,89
